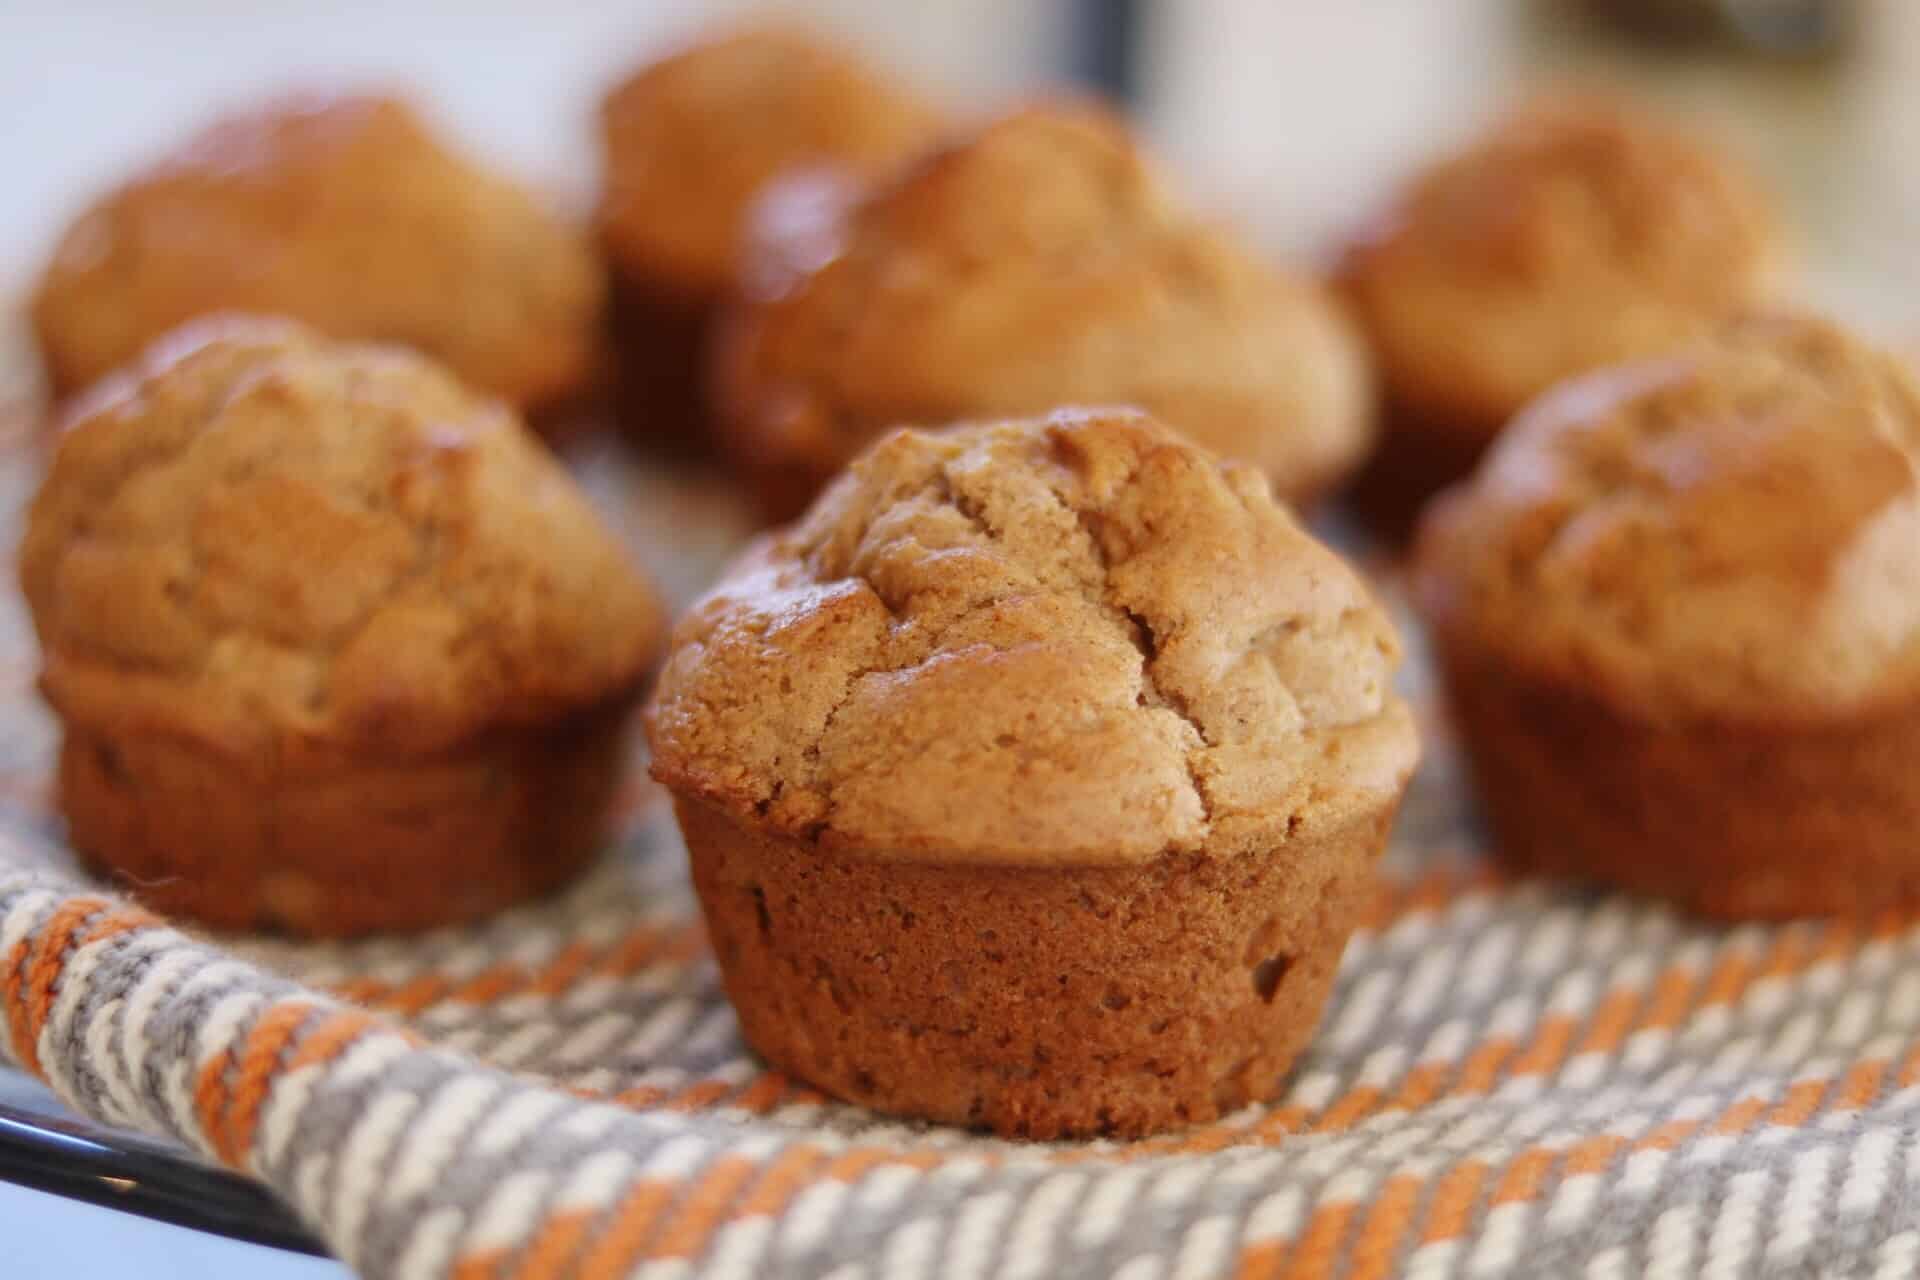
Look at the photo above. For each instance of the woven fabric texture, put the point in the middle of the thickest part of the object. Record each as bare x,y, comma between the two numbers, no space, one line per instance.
1511,1078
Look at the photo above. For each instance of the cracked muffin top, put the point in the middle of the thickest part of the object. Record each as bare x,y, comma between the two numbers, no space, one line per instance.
1578,233
1070,640
268,543
688,140
345,213
1733,531
1035,263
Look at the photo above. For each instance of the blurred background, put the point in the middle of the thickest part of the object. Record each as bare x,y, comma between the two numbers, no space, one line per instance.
1290,116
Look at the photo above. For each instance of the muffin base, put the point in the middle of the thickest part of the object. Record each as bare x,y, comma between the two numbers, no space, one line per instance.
1415,460
1733,821
392,846
565,422
659,375
1036,1002
781,491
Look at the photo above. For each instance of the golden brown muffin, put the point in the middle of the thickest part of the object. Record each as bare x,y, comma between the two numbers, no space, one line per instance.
1577,234
1034,780
688,141
336,645
342,212
1678,610
1034,264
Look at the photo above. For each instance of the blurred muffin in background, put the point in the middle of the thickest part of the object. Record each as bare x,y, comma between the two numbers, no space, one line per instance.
336,645
687,142
1577,233
1036,262
345,213
1678,613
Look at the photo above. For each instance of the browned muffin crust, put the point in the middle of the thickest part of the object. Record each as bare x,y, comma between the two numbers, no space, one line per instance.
1066,715
1035,263
687,141
336,645
1578,233
348,214
1679,613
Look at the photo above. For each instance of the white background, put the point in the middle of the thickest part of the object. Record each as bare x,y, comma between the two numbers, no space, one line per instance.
89,88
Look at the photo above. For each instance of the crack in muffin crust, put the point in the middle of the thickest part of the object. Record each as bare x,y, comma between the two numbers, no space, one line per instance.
1035,779
1123,643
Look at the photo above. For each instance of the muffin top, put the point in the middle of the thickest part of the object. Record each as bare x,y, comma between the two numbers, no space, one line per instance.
286,549
342,212
1577,234
1037,263
1731,532
688,140
1070,640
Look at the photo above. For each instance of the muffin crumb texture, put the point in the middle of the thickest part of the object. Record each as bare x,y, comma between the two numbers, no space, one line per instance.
1037,642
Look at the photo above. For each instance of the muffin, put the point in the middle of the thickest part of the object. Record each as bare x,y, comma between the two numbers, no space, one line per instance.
687,142
1577,234
345,213
1678,613
1033,264
335,644
1035,779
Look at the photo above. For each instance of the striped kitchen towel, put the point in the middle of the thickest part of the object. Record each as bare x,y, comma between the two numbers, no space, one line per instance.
1512,1079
